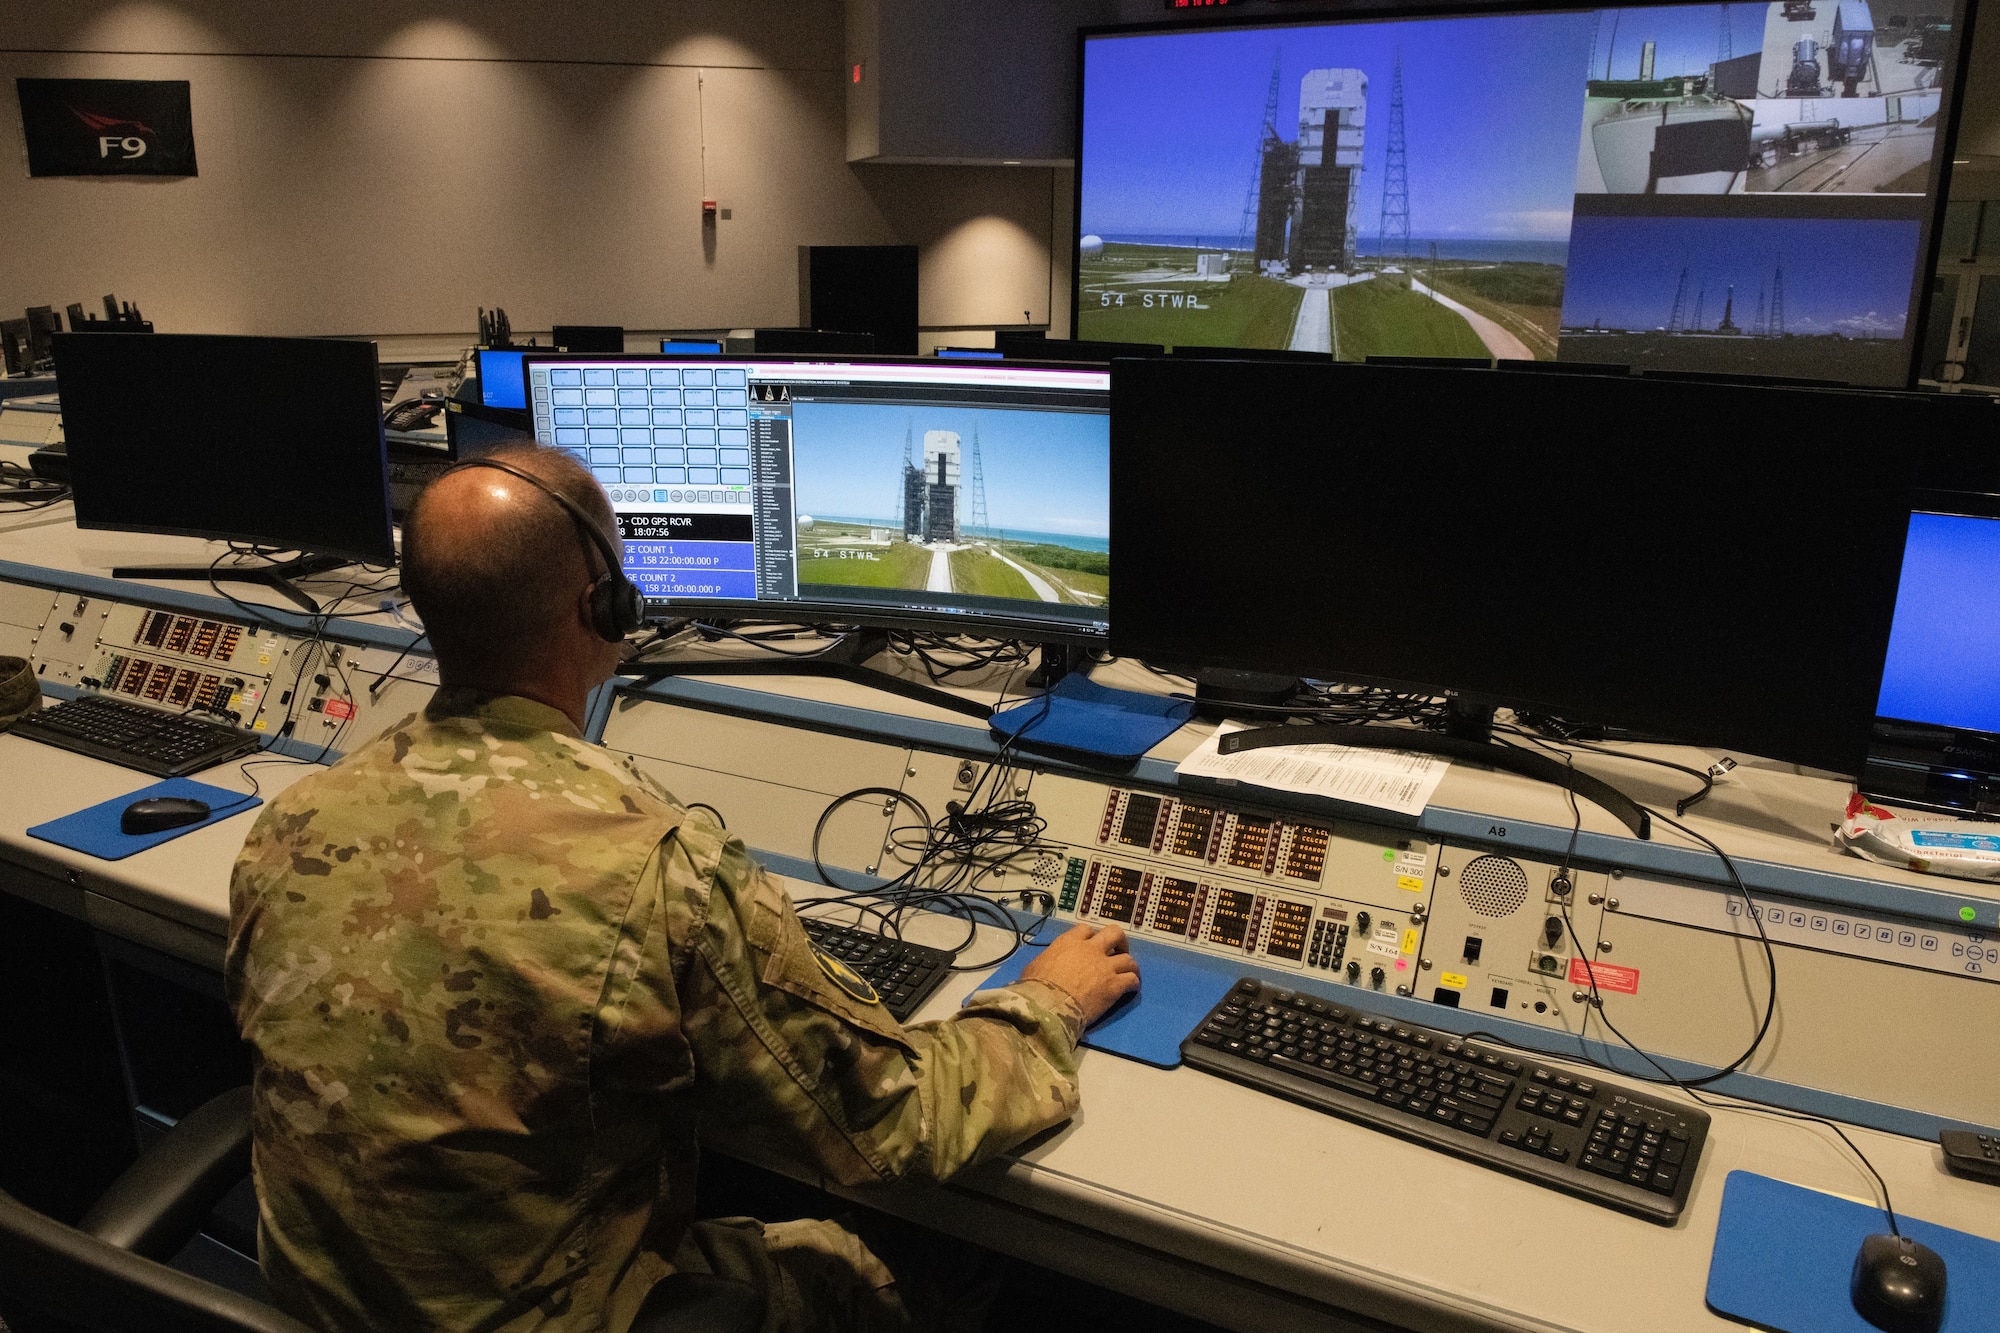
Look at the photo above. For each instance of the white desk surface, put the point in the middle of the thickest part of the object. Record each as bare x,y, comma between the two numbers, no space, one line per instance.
1181,1164
1249,1208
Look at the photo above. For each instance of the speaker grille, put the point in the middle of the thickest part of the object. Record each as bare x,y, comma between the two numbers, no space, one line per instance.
1494,885
1048,871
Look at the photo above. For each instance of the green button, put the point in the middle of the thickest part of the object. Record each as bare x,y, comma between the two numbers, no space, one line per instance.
1968,914
1388,853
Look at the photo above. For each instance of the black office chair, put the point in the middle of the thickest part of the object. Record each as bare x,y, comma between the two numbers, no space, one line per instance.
108,1273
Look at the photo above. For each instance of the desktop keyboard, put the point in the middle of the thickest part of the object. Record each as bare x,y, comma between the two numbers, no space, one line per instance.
903,974
1586,1137
167,745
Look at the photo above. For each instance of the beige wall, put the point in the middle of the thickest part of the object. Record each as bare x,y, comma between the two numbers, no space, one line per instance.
386,166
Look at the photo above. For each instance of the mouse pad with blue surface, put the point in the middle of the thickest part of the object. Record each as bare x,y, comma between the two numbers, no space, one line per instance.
1784,1257
94,831
1176,991
1080,715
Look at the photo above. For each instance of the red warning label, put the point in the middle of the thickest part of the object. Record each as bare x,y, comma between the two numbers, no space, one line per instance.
339,708
1624,980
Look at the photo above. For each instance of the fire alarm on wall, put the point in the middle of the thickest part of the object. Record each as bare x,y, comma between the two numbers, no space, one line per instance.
708,208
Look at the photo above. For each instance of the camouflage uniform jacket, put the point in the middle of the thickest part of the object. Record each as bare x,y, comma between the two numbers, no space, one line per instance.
497,981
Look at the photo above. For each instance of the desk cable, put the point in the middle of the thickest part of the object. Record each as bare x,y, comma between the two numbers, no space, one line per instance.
1691,1086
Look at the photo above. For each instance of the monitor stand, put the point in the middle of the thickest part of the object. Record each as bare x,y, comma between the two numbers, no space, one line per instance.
277,577
1524,762
848,662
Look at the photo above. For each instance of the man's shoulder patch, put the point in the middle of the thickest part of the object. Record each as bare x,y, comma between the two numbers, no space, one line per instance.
851,983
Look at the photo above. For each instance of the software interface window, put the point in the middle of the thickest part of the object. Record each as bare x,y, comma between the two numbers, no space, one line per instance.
957,487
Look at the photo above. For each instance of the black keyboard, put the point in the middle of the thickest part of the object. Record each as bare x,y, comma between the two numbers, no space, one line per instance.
1599,1141
903,974
167,745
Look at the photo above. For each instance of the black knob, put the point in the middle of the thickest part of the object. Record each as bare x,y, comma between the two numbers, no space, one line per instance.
1354,971
1376,976
1552,930
1361,920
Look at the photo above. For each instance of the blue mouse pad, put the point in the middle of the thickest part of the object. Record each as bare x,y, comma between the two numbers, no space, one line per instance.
1079,714
1175,993
95,832
1784,1257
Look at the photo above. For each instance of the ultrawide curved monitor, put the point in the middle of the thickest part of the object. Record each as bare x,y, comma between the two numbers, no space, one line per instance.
964,496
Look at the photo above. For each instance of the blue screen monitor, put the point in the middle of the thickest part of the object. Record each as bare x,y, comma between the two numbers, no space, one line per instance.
500,382
971,354
968,495
682,347
1937,718
1943,666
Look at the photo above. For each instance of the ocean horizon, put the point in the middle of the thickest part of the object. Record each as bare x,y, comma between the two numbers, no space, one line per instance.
1006,534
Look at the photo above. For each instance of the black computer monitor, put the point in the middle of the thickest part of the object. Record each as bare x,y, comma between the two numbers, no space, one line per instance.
500,382
14,346
1197,352
588,338
291,457
968,496
1673,558
812,342
43,325
1071,349
1937,729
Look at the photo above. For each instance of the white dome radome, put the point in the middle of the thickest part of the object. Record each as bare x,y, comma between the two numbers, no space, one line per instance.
1090,247
805,522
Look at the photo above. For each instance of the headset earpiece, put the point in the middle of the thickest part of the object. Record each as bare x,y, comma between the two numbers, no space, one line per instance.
617,607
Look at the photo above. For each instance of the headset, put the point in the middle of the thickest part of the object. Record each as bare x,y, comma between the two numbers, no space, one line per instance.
617,607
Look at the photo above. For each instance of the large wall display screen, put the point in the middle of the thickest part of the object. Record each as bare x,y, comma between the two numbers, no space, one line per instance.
1742,188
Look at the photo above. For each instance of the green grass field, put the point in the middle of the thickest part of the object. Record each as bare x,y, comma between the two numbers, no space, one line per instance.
1092,589
1246,311
902,565
1531,323
986,575
1384,318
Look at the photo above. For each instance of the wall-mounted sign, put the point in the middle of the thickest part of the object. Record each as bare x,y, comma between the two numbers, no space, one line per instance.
107,127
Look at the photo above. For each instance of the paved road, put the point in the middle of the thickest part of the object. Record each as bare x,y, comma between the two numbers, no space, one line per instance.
1313,330
1043,588
1497,339
940,580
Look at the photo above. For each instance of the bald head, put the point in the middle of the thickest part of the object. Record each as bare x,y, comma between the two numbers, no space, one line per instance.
496,568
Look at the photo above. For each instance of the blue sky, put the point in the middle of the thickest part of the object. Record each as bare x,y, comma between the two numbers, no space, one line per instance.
1688,38
1840,276
1045,471
1493,108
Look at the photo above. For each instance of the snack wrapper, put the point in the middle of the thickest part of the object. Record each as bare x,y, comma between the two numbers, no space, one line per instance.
1961,848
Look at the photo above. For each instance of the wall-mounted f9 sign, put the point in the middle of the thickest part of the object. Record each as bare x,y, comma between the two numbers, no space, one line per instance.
107,127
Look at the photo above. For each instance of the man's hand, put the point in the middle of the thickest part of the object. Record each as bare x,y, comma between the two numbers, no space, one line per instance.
1093,965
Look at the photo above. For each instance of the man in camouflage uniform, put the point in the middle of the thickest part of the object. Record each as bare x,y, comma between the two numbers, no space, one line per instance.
498,982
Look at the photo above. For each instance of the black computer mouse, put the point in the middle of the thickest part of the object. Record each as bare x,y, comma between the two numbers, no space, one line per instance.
156,814
1898,1285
